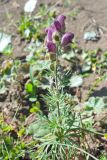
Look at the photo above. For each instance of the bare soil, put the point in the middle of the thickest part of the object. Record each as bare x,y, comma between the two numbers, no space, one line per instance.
90,16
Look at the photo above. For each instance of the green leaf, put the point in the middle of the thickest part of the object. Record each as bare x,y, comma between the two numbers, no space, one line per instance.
76,81
32,99
105,135
21,132
69,55
8,50
34,109
5,43
7,128
86,67
2,88
39,128
29,87
96,104
39,66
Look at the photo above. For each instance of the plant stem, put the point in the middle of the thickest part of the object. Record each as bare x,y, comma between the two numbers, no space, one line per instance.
6,149
56,83
90,131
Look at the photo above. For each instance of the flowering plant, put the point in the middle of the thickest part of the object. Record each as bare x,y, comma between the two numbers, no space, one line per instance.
61,131
56,33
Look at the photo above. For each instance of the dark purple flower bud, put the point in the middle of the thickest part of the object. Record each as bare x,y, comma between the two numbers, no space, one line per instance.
61,19
51,47
57,25
67,38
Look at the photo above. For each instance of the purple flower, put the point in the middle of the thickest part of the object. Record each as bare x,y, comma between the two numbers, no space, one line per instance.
49,35
67,38
52,28
51,47
50,32
57,25
61,19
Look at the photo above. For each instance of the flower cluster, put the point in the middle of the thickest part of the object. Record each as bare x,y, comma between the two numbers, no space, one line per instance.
57,32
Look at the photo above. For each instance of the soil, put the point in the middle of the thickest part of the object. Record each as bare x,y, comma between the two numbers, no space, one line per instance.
91,16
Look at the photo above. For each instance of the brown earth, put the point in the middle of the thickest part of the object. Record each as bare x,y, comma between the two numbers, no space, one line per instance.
91,16
10,13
